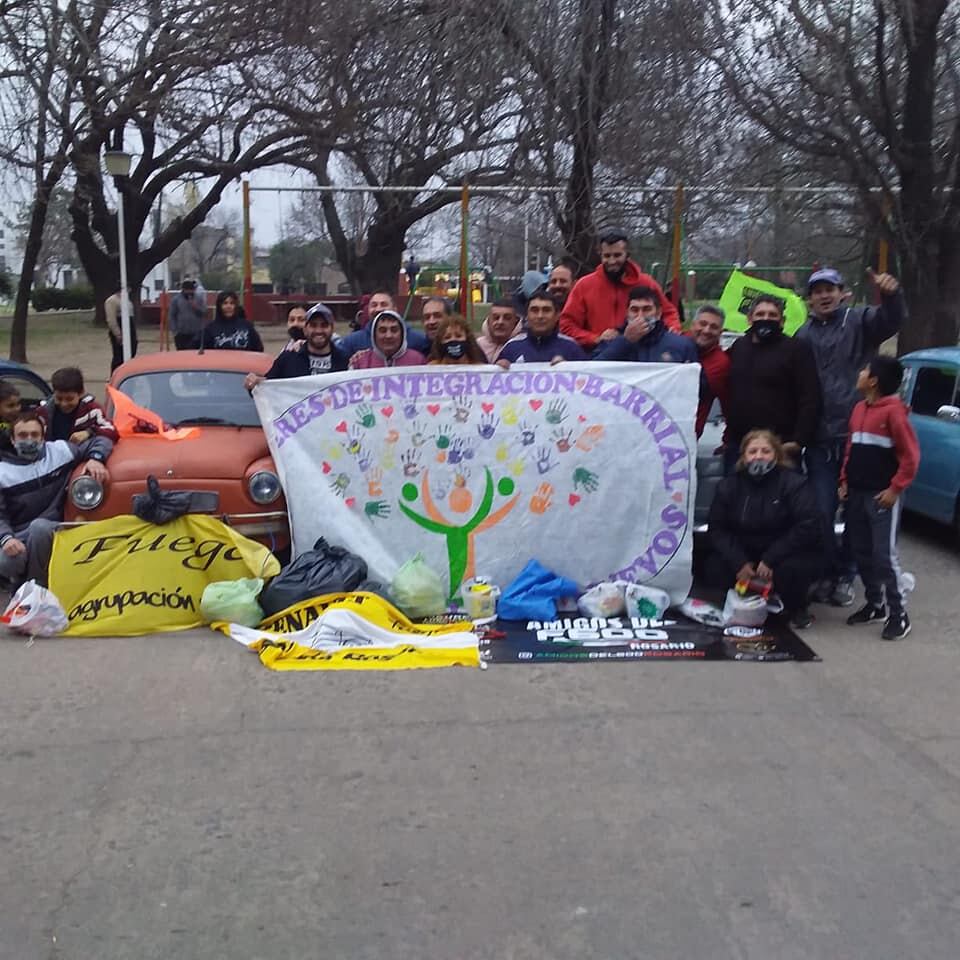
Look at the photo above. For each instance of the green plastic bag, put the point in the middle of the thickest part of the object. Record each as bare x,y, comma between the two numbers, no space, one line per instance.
234,601
417,590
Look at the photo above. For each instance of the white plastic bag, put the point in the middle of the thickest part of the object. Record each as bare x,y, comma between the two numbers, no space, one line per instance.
746,611
604,600
648,602
35,611
702,612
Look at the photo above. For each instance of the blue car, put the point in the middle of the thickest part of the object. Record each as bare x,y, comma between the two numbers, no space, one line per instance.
33,388
931,388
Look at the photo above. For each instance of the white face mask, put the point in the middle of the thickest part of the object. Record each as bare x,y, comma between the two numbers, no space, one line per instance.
28,449
760,468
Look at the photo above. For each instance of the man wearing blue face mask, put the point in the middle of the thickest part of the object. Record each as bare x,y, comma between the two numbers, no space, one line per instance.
33,483
773,385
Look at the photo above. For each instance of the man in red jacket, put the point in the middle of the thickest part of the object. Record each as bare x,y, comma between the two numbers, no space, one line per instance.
597,306
705,332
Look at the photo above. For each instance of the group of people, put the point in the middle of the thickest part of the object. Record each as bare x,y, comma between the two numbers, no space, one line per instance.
791,451
813,420
797,442
39,449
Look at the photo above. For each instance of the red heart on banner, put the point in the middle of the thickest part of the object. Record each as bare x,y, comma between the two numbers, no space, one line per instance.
342,426
387,411
678,497
487,407
536,405
573,499
367,389
326,467
582,418
350,501
580,383
434,408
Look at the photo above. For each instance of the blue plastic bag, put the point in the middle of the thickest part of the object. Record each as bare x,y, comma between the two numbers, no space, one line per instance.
533,594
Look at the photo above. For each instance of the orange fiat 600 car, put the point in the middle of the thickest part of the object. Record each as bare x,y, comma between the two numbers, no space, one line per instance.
228,454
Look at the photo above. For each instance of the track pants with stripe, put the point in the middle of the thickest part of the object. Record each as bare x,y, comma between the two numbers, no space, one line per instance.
873,536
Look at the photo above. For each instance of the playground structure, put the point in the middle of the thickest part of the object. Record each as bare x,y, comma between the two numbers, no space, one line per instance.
680,279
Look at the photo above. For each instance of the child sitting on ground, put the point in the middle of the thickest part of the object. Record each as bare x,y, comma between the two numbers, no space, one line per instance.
880,463
9,408
72,415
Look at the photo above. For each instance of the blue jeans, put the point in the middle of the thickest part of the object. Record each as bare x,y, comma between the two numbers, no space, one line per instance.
822,464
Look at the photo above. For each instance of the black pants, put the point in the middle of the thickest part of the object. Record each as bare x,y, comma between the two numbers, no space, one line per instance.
184,341
117,346
873,535
791,577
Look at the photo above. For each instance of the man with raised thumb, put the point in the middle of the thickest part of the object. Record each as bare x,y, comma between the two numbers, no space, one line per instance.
844,339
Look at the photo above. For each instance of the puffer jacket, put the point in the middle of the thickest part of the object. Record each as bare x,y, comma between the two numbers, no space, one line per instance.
842,345
34,489
766,519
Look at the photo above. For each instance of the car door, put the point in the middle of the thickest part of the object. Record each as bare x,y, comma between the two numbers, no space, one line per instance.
931,385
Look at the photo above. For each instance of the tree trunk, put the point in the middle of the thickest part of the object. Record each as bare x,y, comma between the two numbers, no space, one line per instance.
379,266
597,18
932,289
31,252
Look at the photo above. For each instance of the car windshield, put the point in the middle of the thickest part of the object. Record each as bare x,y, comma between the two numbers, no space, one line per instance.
213,397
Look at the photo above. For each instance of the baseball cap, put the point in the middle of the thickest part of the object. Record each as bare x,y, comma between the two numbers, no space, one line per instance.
320,310
826,275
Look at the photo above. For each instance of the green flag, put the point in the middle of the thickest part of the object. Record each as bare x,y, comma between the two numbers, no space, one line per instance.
740,292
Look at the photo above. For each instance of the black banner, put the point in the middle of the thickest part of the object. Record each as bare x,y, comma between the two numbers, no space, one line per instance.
622,639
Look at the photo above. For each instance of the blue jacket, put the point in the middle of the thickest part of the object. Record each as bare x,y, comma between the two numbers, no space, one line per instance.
527,348
360,340
842,345
660,346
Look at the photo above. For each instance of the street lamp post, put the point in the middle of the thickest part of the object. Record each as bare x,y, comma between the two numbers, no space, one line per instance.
118,166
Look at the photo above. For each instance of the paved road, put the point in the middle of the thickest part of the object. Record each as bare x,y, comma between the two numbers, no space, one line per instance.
167,797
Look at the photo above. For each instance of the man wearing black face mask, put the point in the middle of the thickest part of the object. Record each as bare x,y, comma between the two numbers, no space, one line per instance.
33,485
773,384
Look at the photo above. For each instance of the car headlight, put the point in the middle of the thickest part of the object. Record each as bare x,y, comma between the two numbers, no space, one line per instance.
86,493
264,486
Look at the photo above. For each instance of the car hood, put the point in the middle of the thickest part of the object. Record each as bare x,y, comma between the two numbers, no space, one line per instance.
215,453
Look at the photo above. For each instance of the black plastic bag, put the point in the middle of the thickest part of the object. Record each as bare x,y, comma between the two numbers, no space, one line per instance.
162,506
324,569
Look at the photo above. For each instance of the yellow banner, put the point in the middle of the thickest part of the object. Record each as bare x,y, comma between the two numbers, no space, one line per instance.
125,577
355,631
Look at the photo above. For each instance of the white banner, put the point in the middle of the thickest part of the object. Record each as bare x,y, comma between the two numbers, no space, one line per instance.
588,467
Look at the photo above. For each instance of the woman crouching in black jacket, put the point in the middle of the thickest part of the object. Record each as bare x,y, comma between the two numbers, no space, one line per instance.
764,525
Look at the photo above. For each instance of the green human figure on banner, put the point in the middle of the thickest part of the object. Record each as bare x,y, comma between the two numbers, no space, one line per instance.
460,539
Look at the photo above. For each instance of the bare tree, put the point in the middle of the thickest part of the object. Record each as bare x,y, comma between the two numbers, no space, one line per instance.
418,102
184,103
42,56
869,94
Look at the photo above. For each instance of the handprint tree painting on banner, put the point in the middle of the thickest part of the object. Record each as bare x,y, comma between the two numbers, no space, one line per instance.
589,468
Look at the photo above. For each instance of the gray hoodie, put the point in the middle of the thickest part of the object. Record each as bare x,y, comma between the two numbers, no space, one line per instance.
842,345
